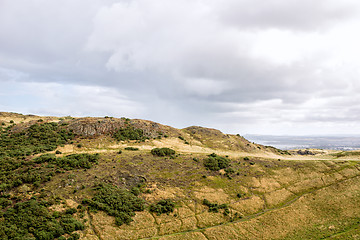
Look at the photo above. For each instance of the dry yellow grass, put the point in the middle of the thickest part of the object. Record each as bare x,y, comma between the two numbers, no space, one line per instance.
207,219
249,206
287,199
224,232
211,194
277,197
188,223
189,235
170,227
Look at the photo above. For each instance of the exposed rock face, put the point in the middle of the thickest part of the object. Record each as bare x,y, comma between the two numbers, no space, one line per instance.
305,152
95,127
103,126
209,132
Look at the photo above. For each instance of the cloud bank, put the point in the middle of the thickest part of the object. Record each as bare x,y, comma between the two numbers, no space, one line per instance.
274,67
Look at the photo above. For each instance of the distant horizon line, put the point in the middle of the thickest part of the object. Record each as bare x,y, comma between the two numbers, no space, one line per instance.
305,135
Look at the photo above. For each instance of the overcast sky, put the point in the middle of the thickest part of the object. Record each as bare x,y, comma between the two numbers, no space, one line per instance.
241,66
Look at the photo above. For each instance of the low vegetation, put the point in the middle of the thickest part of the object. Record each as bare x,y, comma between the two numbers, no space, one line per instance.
214,207
16,166
42,184
131,148
129,133
163,206
215,162
117,202
162,152
41,169
32,220
37,138
69,162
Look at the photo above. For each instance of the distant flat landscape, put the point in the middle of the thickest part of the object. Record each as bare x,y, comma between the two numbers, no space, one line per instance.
346,143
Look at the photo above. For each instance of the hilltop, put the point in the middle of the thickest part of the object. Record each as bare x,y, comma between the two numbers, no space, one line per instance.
120,178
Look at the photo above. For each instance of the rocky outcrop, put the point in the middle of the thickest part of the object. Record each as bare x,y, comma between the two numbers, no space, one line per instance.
93,126
209,132
103,126
305,152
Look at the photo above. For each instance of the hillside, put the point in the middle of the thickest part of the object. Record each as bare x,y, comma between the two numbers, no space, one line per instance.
109,178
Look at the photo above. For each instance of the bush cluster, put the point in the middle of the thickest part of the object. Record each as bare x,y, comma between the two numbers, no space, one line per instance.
32,220
129,133
163,206
15,168
182,138
36,139
14,173
131,148
215,162
83,160
214,207
162,152
116,202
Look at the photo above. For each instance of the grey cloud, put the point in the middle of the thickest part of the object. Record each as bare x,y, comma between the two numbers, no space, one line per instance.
176,62
290,14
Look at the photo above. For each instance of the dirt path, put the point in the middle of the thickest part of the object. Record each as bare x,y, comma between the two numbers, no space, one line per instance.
192,149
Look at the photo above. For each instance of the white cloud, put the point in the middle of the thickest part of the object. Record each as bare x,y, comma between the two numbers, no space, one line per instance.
68,99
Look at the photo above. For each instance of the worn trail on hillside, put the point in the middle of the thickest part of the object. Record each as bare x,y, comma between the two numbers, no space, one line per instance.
247,218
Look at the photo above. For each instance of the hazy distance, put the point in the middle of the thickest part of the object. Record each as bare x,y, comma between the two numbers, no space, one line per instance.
344,142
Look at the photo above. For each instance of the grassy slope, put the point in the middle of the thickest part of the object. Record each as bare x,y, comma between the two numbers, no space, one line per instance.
296,197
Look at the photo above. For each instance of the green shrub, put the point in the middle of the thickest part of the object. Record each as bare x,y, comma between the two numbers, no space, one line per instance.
163,206
40,137
14,173
131,148
129,133
136,191
229,170
69,224
215,162
116,202
70,211
5,202
214,207
32,220
161,152
83,160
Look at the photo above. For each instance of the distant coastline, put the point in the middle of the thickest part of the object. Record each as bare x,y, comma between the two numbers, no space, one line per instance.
345,143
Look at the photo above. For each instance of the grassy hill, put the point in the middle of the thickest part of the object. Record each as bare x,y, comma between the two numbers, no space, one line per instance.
109,178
